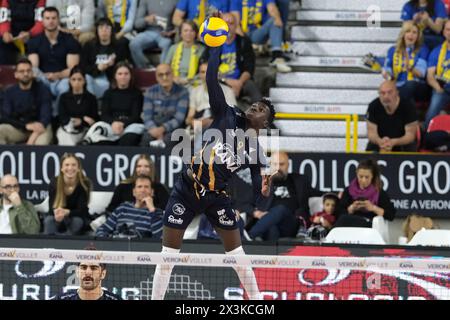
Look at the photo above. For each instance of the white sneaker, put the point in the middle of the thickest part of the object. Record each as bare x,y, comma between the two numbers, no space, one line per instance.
281,65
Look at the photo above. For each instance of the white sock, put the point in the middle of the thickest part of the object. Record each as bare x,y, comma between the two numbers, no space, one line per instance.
246,276
161,278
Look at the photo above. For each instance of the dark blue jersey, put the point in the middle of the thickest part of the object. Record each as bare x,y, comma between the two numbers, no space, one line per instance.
226,149
73,295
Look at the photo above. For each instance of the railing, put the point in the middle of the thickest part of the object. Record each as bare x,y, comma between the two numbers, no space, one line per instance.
349,118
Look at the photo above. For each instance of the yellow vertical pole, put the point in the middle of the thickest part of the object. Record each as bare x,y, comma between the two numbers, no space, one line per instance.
355,133
347,133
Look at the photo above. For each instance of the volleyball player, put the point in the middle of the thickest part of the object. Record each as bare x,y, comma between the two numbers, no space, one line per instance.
200,188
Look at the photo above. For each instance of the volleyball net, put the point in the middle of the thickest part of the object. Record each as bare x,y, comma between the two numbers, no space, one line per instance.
43,273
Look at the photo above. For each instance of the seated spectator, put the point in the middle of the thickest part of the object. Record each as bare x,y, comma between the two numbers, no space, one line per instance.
141,218
237,63
69,197
430,15
406,63
53,54
391,121
19,21
121,13
184,56
364,198
323,221
26,110
165,108
279,216
155,21
121,122
143,166
77,17
77,110
261,20
438,77
197,10
100,55
17,215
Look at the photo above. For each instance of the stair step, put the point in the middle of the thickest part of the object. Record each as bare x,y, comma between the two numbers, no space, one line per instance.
338,34
318,128
317,108
310,144
329,80
353,5
323,96
345,16
340,49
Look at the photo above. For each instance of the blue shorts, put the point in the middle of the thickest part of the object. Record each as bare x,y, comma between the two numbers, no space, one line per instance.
184,203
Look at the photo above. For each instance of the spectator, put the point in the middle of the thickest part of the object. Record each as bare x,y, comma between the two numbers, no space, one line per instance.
238,63
99,57
69,197
26,110
438,76
140,217
154,19
143,166
323,221
197,10
121,13
165,108
17,216
364,198
76,17
430,15
53,54
261,20
406,63
77,110
121,122
391,122
279,216
184,56
19,21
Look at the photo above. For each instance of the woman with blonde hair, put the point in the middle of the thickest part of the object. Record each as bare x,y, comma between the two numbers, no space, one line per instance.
364,198
185,55
69,197
124,191
406,63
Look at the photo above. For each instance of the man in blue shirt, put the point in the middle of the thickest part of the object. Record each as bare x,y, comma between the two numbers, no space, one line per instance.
197,10
26,110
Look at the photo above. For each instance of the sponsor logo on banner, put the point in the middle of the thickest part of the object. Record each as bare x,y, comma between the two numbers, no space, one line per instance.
115,257
229,260
439,266
405,265
264,262
348,282
174,220
89,257
8,254
183,259
55,255
178,209
144,258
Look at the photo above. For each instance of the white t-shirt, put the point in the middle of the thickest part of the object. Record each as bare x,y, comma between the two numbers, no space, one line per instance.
5,225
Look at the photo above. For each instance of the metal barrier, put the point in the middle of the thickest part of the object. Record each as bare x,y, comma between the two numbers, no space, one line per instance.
348,120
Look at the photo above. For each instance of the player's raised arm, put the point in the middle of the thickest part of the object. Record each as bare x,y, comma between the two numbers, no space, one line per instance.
216,97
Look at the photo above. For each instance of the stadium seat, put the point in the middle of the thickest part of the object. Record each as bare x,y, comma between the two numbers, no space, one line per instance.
7,75
43,206
99,200
354,235
439,123
431,237
144,78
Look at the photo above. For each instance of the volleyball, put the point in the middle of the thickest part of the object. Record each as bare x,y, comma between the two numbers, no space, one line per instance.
214,32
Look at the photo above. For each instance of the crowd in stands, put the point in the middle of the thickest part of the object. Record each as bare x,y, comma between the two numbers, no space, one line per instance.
419,66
